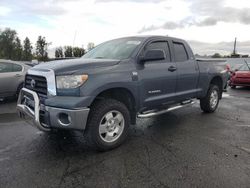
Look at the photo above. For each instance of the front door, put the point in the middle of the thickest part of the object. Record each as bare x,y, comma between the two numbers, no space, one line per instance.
157,81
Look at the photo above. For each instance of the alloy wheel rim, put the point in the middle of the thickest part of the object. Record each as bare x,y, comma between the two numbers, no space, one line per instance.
111,126
214,98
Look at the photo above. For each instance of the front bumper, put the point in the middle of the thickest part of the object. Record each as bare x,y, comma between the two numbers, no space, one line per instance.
45,117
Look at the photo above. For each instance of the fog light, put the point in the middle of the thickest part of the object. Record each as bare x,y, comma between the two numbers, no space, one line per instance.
64,119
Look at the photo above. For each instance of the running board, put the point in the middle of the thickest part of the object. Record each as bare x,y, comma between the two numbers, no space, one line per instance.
151,114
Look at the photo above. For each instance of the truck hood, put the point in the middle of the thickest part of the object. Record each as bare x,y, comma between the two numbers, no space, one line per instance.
75,65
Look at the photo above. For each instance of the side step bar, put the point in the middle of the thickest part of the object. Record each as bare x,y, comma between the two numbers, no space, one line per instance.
151,114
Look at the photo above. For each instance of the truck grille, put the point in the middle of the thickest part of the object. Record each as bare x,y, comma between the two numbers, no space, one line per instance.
37,84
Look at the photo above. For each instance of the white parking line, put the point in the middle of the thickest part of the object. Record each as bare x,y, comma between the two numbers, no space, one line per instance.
225,95
5,149
243,126
245,149
39,132
4,159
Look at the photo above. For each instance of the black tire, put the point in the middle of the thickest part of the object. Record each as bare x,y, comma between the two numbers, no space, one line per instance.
206,104
99,111
233,87
19,89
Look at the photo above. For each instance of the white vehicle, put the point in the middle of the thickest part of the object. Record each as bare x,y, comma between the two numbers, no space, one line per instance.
12,76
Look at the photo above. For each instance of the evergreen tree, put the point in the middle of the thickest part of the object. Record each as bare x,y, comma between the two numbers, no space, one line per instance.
8,43
18,50
41,49
27,50
59,52
78,52
68,51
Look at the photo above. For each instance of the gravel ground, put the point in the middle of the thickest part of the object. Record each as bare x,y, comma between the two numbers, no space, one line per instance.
184,148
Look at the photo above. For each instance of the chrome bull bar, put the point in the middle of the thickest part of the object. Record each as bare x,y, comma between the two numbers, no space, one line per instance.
24,110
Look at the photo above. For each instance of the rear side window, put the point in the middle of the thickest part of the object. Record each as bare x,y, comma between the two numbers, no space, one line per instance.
17,68
5,67
161,45
180,52
10,67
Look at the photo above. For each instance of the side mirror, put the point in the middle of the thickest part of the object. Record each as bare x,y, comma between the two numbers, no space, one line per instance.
153,55
236,70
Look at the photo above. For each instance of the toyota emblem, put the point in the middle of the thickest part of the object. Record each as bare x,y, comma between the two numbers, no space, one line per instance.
33,83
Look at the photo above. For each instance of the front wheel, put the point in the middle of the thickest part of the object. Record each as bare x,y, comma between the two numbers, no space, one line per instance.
19,89
211,101
108,124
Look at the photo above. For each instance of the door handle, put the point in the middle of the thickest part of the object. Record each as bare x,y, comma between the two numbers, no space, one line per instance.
18,75
172,69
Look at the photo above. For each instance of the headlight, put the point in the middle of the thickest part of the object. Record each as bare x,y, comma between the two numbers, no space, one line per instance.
70,81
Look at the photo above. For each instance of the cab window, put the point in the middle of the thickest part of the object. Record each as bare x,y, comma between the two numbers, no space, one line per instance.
180,52
160,45
5,67
17,68
10,67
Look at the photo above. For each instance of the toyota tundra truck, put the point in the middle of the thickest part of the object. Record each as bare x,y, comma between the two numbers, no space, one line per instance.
102,93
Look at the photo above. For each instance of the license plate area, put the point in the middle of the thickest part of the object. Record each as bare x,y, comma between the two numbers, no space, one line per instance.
29,108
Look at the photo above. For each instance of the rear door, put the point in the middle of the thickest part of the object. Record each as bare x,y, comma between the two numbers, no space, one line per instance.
188,71
157,83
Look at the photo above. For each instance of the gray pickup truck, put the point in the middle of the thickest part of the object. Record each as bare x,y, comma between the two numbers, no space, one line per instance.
102,93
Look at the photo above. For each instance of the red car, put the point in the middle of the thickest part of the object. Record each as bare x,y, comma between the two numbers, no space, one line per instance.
241,76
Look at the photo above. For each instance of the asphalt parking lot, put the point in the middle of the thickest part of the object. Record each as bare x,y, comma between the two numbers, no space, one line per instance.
184,148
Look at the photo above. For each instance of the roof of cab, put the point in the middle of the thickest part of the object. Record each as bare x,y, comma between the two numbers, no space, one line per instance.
148,37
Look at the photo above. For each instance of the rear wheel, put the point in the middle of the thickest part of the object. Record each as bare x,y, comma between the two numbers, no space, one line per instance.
233,87
211,101
108,124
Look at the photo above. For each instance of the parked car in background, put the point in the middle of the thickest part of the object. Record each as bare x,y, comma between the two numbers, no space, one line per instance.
30,64
12,75
241,76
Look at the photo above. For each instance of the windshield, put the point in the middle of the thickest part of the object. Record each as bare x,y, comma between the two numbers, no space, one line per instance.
114,49
244,67
248,65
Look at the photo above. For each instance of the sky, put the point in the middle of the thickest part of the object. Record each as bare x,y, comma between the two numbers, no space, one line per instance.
208,25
